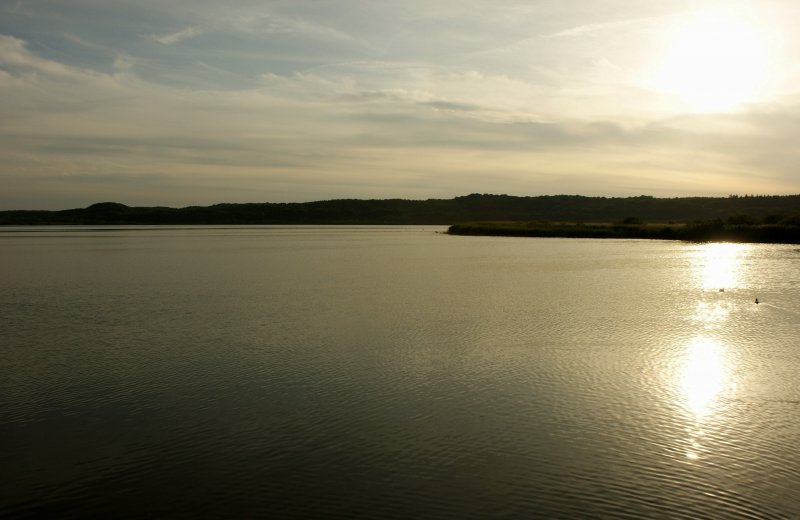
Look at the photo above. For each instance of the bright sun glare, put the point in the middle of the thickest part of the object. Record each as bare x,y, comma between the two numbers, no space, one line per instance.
703,375
716,61
718,265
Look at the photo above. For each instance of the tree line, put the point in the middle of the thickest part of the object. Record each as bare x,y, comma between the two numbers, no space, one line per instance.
784,209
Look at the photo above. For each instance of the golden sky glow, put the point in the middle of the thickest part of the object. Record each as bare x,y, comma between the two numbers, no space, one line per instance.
196,102
716,61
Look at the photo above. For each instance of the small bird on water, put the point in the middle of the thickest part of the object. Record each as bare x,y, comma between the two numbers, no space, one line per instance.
756,300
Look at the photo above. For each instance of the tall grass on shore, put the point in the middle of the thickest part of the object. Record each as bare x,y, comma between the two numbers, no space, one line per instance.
733,230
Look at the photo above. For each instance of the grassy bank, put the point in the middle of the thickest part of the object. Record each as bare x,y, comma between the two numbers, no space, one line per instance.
705,231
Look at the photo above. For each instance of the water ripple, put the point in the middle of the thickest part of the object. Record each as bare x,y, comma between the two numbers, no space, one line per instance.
376,374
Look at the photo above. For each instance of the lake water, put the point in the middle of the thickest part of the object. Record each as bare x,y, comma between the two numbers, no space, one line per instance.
395,372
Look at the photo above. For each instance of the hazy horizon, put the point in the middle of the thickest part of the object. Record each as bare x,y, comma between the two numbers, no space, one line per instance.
195,103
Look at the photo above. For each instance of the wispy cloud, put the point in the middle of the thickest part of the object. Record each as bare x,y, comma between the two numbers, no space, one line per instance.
175,37
14,55
601,27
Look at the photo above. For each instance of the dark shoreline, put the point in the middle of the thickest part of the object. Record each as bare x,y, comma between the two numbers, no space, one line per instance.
705,231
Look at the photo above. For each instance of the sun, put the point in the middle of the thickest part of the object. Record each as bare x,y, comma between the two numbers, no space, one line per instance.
716,61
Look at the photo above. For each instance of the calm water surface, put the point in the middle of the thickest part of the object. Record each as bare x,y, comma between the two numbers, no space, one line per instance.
395,372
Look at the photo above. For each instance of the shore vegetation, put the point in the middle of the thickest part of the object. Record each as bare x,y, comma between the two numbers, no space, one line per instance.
738,228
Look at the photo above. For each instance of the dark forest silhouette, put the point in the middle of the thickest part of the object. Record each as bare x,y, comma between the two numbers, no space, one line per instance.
744,210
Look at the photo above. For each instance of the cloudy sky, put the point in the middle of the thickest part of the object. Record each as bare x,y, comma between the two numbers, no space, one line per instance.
196,102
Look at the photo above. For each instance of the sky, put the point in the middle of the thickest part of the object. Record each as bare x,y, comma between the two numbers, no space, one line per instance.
178,103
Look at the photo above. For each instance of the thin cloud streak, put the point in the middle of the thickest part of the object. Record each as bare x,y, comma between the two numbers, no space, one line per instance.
173,38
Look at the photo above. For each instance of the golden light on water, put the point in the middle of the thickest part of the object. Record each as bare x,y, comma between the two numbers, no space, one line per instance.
703,366
712,315
702,376
718,266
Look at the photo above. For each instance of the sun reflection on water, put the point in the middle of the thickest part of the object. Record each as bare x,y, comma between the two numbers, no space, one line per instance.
718,266
704,368
712,314
702,377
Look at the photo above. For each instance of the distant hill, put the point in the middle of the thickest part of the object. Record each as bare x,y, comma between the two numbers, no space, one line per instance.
475,207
